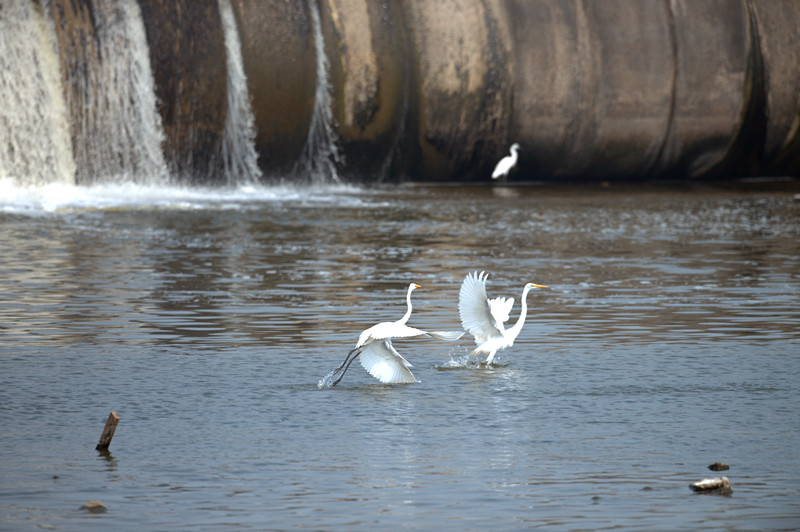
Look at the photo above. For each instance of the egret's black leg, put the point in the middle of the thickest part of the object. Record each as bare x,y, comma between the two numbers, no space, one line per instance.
346,368
337,370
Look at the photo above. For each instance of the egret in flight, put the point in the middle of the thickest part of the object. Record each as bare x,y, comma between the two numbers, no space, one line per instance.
377,354
483,318
506,163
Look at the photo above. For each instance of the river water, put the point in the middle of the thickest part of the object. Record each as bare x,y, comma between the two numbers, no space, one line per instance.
669,339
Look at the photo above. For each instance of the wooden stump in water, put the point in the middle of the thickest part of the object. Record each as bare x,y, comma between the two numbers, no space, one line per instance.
108,432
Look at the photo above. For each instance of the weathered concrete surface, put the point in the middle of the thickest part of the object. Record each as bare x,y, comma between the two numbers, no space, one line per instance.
618,89
357,68
593,86
187,51
546,83
711,43
462,56
778,23
370,74
279,61
628,83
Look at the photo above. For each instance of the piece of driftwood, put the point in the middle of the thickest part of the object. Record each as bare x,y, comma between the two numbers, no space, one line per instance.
108,432
721,484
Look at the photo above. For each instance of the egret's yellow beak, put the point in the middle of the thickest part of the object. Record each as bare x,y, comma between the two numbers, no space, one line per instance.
417,286
540,285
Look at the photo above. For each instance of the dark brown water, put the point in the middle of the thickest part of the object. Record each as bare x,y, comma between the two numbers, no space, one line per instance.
668,340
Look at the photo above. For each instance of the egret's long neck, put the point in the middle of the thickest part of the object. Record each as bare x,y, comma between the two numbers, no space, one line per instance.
514,153
515,330
408,312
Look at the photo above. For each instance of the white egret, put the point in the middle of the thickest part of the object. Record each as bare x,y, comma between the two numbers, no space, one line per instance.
483,318
377,354
506,163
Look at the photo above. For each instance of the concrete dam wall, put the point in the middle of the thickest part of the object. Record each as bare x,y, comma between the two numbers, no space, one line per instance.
232,91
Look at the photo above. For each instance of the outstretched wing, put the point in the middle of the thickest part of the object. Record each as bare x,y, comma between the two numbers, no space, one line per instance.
384,363
473,308
447,336
386,331
500,308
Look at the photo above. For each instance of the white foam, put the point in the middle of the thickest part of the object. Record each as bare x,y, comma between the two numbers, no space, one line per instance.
59,197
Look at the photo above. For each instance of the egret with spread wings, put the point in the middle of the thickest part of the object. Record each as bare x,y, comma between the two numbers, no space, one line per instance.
377,354
484,318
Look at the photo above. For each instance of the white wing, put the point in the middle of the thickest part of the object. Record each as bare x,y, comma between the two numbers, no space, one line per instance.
384,363
447,336
473,307
502,167
386,331
500,308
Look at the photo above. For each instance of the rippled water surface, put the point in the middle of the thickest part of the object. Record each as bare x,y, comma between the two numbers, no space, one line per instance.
669,339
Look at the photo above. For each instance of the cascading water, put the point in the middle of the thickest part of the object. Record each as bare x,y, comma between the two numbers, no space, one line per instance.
81,109
238,149
34,131
117,131
321,151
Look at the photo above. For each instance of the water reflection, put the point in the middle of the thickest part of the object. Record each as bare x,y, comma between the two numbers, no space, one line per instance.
109,460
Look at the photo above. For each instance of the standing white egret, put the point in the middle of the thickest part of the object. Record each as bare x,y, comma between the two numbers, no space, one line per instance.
483,318
377,355
506,163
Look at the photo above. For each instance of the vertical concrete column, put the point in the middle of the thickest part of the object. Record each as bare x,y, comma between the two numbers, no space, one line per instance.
371,78
462,51
711,46
187,51
279,61
778,23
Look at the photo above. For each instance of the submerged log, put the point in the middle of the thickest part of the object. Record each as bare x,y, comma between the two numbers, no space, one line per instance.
108,432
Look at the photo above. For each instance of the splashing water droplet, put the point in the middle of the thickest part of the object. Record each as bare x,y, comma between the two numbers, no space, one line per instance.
326,381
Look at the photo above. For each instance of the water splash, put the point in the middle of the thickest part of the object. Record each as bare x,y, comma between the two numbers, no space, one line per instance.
239,155
326,381
321,151
34,131
464,359
116,126
459,362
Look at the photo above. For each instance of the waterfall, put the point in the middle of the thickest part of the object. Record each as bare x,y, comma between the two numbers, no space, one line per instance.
117,131
34,131
238,149
321,151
